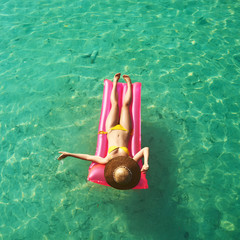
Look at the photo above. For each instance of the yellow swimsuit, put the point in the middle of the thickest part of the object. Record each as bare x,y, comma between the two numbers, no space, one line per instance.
117,127
112,148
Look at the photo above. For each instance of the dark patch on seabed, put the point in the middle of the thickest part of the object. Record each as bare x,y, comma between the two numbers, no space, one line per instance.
153,212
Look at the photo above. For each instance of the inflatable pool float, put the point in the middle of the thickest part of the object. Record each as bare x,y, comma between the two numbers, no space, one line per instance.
96,171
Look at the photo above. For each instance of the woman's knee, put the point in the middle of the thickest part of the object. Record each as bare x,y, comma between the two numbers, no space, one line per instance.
126,104
114,104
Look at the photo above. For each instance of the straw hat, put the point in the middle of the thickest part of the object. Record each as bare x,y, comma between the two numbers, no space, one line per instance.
122,173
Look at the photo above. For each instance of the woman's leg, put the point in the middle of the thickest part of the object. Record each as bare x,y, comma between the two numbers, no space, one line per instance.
113,116
125,118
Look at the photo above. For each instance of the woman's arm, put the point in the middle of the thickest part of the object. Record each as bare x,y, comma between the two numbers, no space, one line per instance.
143,153
86,157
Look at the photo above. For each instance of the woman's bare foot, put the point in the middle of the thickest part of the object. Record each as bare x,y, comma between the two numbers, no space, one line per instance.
127,78
116,77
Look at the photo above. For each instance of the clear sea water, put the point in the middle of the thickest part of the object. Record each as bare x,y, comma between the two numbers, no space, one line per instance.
54,56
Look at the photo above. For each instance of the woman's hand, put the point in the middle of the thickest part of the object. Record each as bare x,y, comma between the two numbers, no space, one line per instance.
145,167
63,155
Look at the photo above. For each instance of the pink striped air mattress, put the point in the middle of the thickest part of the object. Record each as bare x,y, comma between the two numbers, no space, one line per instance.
96,171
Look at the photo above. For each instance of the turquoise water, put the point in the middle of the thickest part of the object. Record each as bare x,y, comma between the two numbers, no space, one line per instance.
54,56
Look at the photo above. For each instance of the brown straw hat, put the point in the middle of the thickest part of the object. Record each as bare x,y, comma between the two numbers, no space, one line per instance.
122,173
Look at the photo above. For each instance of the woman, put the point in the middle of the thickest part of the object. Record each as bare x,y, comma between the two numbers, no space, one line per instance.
118,130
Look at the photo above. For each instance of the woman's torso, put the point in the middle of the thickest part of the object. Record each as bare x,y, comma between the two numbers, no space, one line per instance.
119,139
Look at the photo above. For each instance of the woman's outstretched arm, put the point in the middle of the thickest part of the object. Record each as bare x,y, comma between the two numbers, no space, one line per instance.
143,153
86,157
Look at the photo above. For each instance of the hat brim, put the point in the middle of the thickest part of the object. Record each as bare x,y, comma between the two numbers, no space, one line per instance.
126,162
